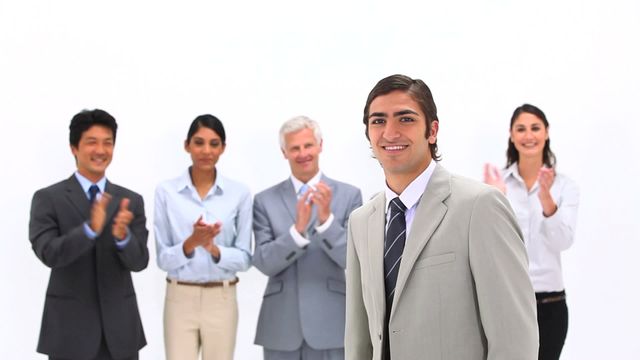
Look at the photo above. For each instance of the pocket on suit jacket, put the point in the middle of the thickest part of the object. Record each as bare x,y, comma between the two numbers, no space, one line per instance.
336,286
435,260
273,288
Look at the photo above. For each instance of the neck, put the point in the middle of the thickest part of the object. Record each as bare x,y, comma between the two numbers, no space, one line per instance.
398,182
529,167
305,177
94,178
202,179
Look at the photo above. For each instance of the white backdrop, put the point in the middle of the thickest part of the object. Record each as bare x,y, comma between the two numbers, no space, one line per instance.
155,65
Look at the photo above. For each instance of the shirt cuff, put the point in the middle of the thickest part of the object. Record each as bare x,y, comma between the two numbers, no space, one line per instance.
90,233
322,228
121,244
300,240
216,260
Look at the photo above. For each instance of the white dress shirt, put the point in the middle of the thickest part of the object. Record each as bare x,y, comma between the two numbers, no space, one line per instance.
410,197
544,237
300,240
178,206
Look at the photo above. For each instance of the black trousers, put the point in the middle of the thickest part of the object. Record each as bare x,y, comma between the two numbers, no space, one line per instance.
103,354
553,322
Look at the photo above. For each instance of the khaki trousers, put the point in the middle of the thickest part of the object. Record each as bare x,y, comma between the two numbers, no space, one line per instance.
200,318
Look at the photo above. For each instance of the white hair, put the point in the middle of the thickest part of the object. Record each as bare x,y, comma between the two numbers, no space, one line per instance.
296,124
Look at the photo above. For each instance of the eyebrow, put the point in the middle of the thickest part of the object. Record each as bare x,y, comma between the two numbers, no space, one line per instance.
395,114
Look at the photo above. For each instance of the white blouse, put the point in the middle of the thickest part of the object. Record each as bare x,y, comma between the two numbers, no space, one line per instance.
544,237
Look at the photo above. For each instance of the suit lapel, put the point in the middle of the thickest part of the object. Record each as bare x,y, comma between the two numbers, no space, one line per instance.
114,204
77,197
429,213
375,245
288,197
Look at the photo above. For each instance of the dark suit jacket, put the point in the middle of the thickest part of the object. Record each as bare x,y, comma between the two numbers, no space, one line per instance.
90,292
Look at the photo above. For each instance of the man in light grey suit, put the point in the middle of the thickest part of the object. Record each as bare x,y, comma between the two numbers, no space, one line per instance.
436,265
300,234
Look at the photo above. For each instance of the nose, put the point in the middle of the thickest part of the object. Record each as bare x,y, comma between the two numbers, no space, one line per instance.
391,131
100,148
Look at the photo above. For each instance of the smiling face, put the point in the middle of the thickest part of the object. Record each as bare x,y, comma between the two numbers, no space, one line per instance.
205,148
94,152
528,134
397,131
302,150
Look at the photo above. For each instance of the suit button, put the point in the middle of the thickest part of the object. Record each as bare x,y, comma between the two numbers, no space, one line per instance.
380,336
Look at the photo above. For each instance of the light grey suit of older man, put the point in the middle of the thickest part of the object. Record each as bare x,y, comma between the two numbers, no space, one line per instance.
303,251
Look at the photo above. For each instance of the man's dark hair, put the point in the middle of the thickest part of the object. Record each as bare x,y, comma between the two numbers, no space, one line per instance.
420,93
85,119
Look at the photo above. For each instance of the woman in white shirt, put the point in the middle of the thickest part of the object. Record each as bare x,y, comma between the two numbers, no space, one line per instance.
546,205
203,237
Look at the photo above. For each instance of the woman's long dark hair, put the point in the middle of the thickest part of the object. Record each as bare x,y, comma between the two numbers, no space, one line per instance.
548,157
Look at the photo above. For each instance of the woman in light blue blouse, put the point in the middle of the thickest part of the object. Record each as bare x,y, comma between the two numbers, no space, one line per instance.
202,228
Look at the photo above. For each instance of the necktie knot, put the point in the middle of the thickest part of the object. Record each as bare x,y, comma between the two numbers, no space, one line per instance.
93,192
303,189
396,206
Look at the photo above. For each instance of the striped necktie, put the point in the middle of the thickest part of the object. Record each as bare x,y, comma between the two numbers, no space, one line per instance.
393,246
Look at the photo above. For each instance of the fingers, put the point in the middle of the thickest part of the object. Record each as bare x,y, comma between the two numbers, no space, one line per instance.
104,200
124,204
487,173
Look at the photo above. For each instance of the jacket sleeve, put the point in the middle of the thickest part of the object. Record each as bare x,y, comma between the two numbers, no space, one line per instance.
135,256
334,240
357,341
273,252
498,262
50,245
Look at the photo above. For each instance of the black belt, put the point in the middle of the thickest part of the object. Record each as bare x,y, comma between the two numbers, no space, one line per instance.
550,297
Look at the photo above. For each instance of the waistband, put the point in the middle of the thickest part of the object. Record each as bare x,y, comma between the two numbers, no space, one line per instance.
205,284
550,297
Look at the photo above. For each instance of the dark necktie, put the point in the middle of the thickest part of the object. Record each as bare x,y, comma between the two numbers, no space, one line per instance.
93,192
393,246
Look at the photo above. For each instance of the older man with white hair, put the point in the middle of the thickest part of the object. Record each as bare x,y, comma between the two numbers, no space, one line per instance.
300,232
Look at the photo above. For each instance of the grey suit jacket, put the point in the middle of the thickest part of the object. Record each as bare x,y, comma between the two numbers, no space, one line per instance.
90,292
305,294
462,292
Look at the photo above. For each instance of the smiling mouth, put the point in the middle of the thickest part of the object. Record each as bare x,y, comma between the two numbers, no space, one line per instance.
395,147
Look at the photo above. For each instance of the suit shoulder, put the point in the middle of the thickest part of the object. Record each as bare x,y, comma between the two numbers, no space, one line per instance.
368,207
466,190
472,187
54,187
125,192
346,186
269,191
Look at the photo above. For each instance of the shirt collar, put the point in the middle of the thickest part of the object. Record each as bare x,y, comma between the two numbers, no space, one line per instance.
184,182
86,183
297,184
512,171
411,195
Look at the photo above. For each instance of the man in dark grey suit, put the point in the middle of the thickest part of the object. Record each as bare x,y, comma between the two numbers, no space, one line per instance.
300,234
92,234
